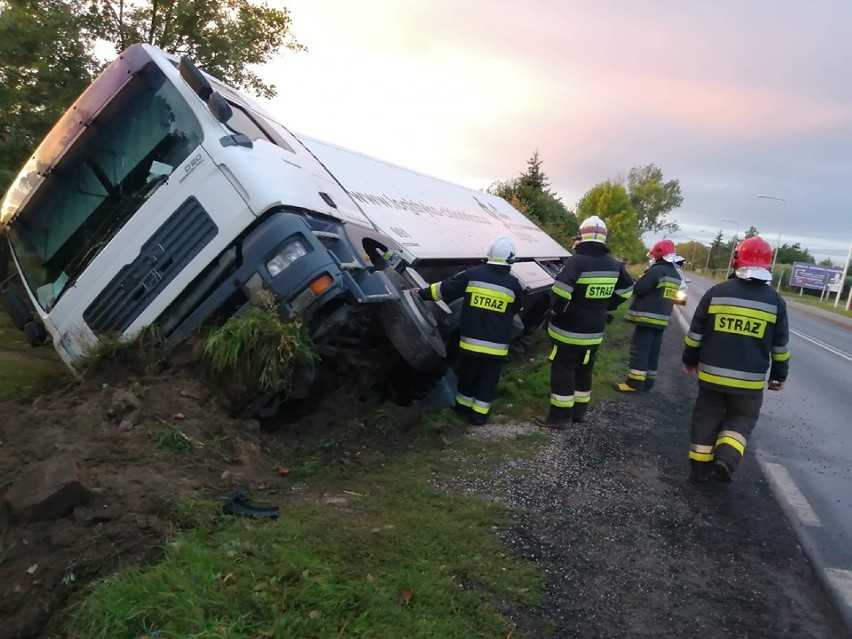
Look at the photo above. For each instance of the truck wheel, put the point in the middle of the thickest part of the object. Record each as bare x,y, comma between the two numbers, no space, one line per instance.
35,333
16,309
411,327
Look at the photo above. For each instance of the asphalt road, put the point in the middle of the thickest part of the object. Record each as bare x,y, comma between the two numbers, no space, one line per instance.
803,441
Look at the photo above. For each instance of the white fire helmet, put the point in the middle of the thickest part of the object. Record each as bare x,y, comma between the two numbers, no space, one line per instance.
593,229
502,251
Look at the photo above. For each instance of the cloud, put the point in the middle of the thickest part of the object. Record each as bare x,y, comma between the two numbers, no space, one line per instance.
731,98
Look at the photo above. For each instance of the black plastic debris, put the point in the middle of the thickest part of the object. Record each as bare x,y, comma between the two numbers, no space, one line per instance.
236,504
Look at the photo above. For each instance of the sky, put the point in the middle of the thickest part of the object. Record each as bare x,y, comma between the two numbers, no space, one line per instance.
733,98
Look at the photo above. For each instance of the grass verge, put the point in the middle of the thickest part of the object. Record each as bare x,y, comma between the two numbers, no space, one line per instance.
826,306
379,554
27,372
24,380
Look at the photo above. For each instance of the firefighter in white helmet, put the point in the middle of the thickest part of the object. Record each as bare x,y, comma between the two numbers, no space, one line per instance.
492,298
590,283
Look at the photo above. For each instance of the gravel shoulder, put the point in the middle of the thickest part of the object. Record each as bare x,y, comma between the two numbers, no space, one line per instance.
631,548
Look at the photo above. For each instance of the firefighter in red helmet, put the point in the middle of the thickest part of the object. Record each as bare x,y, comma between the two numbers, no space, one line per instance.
738,332
650,309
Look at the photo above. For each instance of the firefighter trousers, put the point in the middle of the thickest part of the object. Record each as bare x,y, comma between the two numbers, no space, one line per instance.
571,369
645,348
721,425
478,376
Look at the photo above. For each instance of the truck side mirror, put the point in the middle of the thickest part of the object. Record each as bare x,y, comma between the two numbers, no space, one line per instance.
194,78
219,107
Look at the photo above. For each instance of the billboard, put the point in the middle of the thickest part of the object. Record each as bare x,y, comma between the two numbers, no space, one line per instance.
816,277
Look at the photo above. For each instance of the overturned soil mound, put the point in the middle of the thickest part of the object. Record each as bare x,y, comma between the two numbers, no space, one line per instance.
94,477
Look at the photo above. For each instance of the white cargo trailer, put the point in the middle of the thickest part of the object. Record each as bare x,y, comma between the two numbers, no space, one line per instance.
164,196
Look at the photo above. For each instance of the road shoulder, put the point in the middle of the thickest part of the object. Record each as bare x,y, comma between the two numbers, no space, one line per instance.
632,548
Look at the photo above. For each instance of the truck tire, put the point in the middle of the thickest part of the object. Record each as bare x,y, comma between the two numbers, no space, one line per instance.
412,328
35,333
16,309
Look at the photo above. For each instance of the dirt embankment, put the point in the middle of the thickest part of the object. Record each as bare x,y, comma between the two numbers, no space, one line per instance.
93,477
117,465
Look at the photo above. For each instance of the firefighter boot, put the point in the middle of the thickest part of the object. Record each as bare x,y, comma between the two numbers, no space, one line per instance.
723,471
649,384
579,415
701,475
551,422
462,411
624,387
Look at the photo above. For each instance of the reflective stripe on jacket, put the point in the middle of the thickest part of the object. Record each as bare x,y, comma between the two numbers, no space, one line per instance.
590,283
738,331
654,295
492,298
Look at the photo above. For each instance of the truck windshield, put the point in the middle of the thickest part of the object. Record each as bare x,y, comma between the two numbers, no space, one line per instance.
125,152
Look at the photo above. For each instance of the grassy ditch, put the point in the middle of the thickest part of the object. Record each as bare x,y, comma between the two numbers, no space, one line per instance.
378,554
26,372
361,549
377,551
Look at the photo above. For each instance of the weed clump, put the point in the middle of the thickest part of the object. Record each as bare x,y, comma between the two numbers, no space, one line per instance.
145,354
258,351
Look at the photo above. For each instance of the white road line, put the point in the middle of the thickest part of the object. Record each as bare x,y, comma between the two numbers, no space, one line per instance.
842,582
683,323
785,484
822,344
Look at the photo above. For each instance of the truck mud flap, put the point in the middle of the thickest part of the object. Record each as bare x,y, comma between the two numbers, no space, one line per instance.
411,328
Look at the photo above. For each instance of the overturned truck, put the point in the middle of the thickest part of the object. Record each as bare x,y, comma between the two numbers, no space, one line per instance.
166,197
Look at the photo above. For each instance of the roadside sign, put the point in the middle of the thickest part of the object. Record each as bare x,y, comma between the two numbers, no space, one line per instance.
816,277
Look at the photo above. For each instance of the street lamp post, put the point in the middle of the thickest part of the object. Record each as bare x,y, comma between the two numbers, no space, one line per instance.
778,242
708,252
843,279
733,245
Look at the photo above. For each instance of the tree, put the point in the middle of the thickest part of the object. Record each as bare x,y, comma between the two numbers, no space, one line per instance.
534,177
752,231
695,254
789,253
611,202
225,38
653,198
47,53
530,193
45,63
718,252
828,262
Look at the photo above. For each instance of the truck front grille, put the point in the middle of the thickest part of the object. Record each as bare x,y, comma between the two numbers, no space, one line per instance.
181,237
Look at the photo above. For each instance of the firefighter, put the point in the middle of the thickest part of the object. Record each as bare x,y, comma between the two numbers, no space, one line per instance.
492,298
590,283
738,332
650,309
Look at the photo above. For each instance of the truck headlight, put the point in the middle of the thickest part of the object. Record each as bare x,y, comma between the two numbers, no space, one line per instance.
285,258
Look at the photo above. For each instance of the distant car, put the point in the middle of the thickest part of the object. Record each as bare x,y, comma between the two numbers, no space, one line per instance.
682,293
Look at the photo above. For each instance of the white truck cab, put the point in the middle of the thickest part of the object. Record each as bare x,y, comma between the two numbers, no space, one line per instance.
164,196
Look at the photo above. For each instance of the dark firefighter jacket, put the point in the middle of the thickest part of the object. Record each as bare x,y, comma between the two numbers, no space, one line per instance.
492,297
739,327
590,283
653,295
